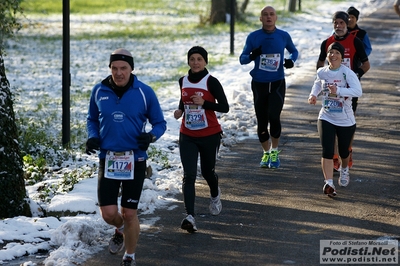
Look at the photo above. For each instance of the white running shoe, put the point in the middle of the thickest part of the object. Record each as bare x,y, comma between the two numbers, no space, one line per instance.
189,224
116,243
215,204
344,178
329,189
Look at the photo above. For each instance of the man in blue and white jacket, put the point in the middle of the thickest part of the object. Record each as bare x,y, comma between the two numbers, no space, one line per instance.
119,109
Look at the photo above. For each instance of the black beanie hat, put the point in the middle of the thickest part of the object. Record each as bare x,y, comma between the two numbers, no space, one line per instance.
122,57
342,15
336,46
353,11
198,50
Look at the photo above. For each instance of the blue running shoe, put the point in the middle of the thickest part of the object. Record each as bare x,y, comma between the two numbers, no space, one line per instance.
265,160
274,159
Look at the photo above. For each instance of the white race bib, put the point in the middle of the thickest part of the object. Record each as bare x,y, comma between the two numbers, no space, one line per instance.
270,62
333,105
120,165
195,117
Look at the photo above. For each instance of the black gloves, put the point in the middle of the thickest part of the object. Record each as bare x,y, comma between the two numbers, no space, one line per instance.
144,140
255,53
92,145
288,63
359,72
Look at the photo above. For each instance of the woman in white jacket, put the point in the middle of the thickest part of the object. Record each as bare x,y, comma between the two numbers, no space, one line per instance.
336,84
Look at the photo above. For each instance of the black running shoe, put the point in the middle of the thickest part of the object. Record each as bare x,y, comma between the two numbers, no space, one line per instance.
128,262
189,224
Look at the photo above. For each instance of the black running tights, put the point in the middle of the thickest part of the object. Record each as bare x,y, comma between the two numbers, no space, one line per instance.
327,133
190,148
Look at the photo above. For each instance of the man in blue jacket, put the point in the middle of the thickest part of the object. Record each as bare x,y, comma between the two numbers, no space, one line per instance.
119,109
266,47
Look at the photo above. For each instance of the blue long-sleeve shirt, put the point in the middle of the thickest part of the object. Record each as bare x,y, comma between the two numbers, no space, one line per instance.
269,66
118,121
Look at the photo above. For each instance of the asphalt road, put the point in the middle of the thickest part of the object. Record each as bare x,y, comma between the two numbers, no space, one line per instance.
278,217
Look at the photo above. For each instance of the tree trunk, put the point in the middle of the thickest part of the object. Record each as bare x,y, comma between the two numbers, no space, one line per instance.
13,199
218,11
244,6
292,5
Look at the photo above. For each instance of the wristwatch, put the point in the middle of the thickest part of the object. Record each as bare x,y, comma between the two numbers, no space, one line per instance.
153,138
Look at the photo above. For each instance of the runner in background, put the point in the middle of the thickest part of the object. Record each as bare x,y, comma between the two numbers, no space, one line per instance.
266,47
353,28
363,36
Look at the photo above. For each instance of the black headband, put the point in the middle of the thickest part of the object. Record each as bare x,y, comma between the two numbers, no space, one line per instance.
122,57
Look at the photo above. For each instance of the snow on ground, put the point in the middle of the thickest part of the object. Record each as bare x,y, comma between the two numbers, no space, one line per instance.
34,71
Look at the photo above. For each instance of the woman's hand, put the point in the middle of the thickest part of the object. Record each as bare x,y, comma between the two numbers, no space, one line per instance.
332,89
198,100
312,99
